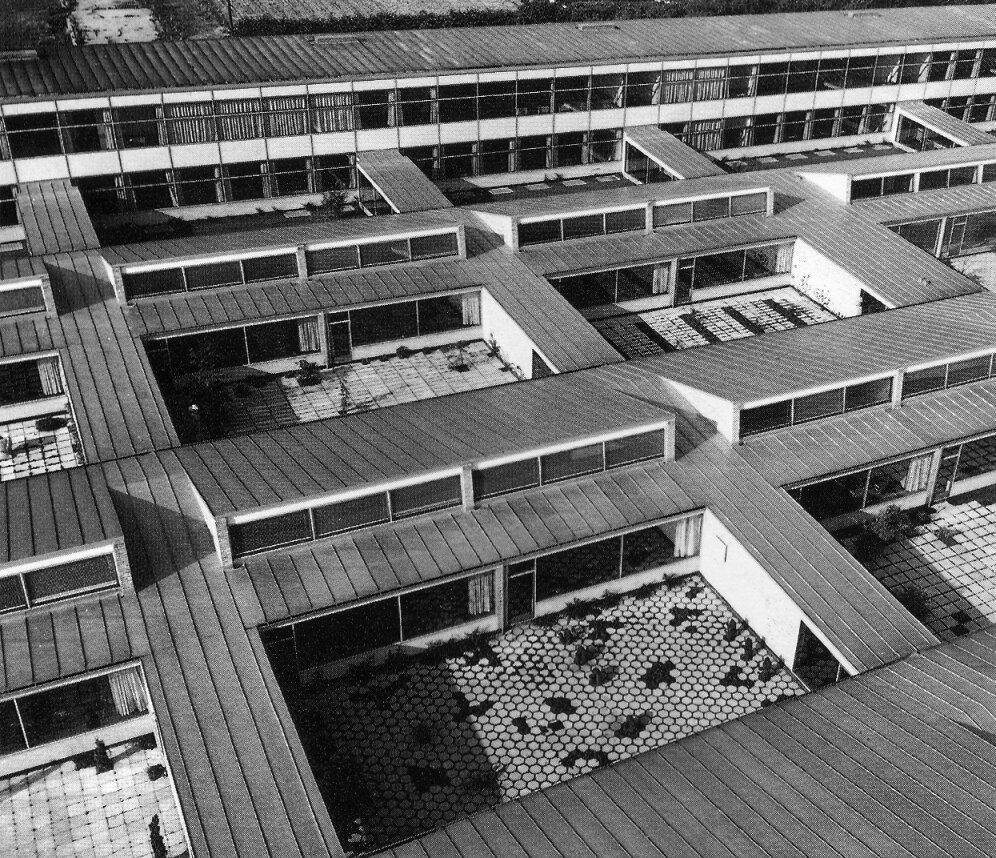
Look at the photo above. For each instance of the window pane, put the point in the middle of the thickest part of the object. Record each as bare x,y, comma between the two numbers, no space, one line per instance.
977,457
15,301
572,463
867,393
581,227
11,593
332,259
539,232
273,341
55,581
923,233
20,382
818,405
709,209
214,274
646,445
245,181
922,380
961,176
426,497
674,213
765,417
11,735
830,498
718,268
431,246
76,708
636,282
510,477
646,549
577,568
161,282
588,290
350,514
269,267
888,482
340,635
440,314
380,324
627,221
203,352
749,204
933,179
864,188
446,605
902,184
267,533
384,253
964,371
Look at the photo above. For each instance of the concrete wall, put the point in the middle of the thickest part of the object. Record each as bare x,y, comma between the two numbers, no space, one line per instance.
516,348
751,592
825,282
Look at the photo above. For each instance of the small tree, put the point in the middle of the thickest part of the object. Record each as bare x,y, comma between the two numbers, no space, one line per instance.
156,839
890,524
102,759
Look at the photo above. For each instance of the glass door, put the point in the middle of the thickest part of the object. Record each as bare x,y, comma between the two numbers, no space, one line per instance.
945,474
520,595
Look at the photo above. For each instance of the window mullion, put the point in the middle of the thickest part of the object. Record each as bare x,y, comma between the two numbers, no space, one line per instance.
20,720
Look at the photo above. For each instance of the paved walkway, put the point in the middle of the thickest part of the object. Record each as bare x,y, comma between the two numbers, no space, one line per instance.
427,742
959,580
60,811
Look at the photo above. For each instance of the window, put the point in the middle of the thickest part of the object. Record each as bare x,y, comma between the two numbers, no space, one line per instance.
762,418
150,189
922,233
583,227
25,299
458,102
625,221
139,126
239,118
55,582
350,514
371,108
924,380
383,323
966,371
140,283
279,340
434,246
265,533
539,232
12,594
198,186
577,568
867,394
190,122
747,204
31,135
656,546
86,131
425,497
446,313
347,633
332,259
213,274
672,213
502,479
269,267
977,457
245,181
709,209
818,405
635,448
814,664
21,381
565,464
446,605
384,252
289,176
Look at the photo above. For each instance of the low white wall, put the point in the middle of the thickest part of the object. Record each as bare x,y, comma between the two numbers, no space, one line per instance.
741,287
750,591
971,484
516,347
817,277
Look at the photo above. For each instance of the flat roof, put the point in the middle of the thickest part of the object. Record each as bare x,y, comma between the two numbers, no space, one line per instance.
961,199
899,760
403,185
906,162
788,362
684,161
963,133
202,63
54,217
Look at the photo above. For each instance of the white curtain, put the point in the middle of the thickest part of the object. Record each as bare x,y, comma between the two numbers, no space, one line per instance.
128,692
662,279
471,309
480,595
51,377
710,84
286,116
688,532
706,134
307,335
677,86
332,112
192,122
918,473
783,262
239,119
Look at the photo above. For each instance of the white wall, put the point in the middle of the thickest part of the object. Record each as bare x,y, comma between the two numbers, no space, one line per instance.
750,591
719,411
516,347
825,282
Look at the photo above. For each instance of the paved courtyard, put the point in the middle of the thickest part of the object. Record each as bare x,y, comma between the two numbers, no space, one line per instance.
674,328
60,811
415,744
271,402
958,580
38,451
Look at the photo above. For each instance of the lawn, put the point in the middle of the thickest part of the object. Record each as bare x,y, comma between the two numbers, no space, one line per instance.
26,23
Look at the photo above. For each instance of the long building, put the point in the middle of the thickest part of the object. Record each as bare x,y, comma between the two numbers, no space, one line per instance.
544,440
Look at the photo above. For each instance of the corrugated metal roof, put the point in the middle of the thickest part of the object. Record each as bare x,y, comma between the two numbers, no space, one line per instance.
216,62
55,512
54,217
791,361
838,443
311,460
684,161
906,162
18,267
403,184
944,201
962,133
895,762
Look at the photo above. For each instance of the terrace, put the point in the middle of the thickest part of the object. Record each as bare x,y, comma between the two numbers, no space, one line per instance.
434,735
946,570
252,400
813,156
651,332
66,808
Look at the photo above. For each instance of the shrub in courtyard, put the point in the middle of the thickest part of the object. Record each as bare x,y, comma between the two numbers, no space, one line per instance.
577,610
915,601
156,771
102,759
485,780
767,671
572,634
730,631
309,373
658,674
147,742
560,705
632,726
156,842
589,755
600,676
947,535
748,648
585,653
890,524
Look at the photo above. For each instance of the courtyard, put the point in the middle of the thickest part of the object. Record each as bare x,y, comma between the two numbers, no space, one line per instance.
39,446
651,332
432,736
951,561
66,810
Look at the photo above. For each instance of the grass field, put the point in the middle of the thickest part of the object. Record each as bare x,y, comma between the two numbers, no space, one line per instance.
343,8
24,23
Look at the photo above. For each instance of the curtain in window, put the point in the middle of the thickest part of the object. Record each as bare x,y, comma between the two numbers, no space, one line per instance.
918,473
710,84
471,309
688,533
287,116
307,335
706,134
395,110
677,86
128,691
662,279
192,122
51,377
332,112
239,119
783,261
105,131
480,595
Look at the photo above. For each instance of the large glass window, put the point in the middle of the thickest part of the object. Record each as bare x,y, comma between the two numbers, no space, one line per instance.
577,568
245,181
496,99
458,102
21,381
635,448
565,464
446,313
446,605
279,340
831,498
977,457
386,322
86,131
266,533
57,582
372,108
28,299
509,477
426,497
534,96
140,125
31,135
350,514
347,633
924,380
762,418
